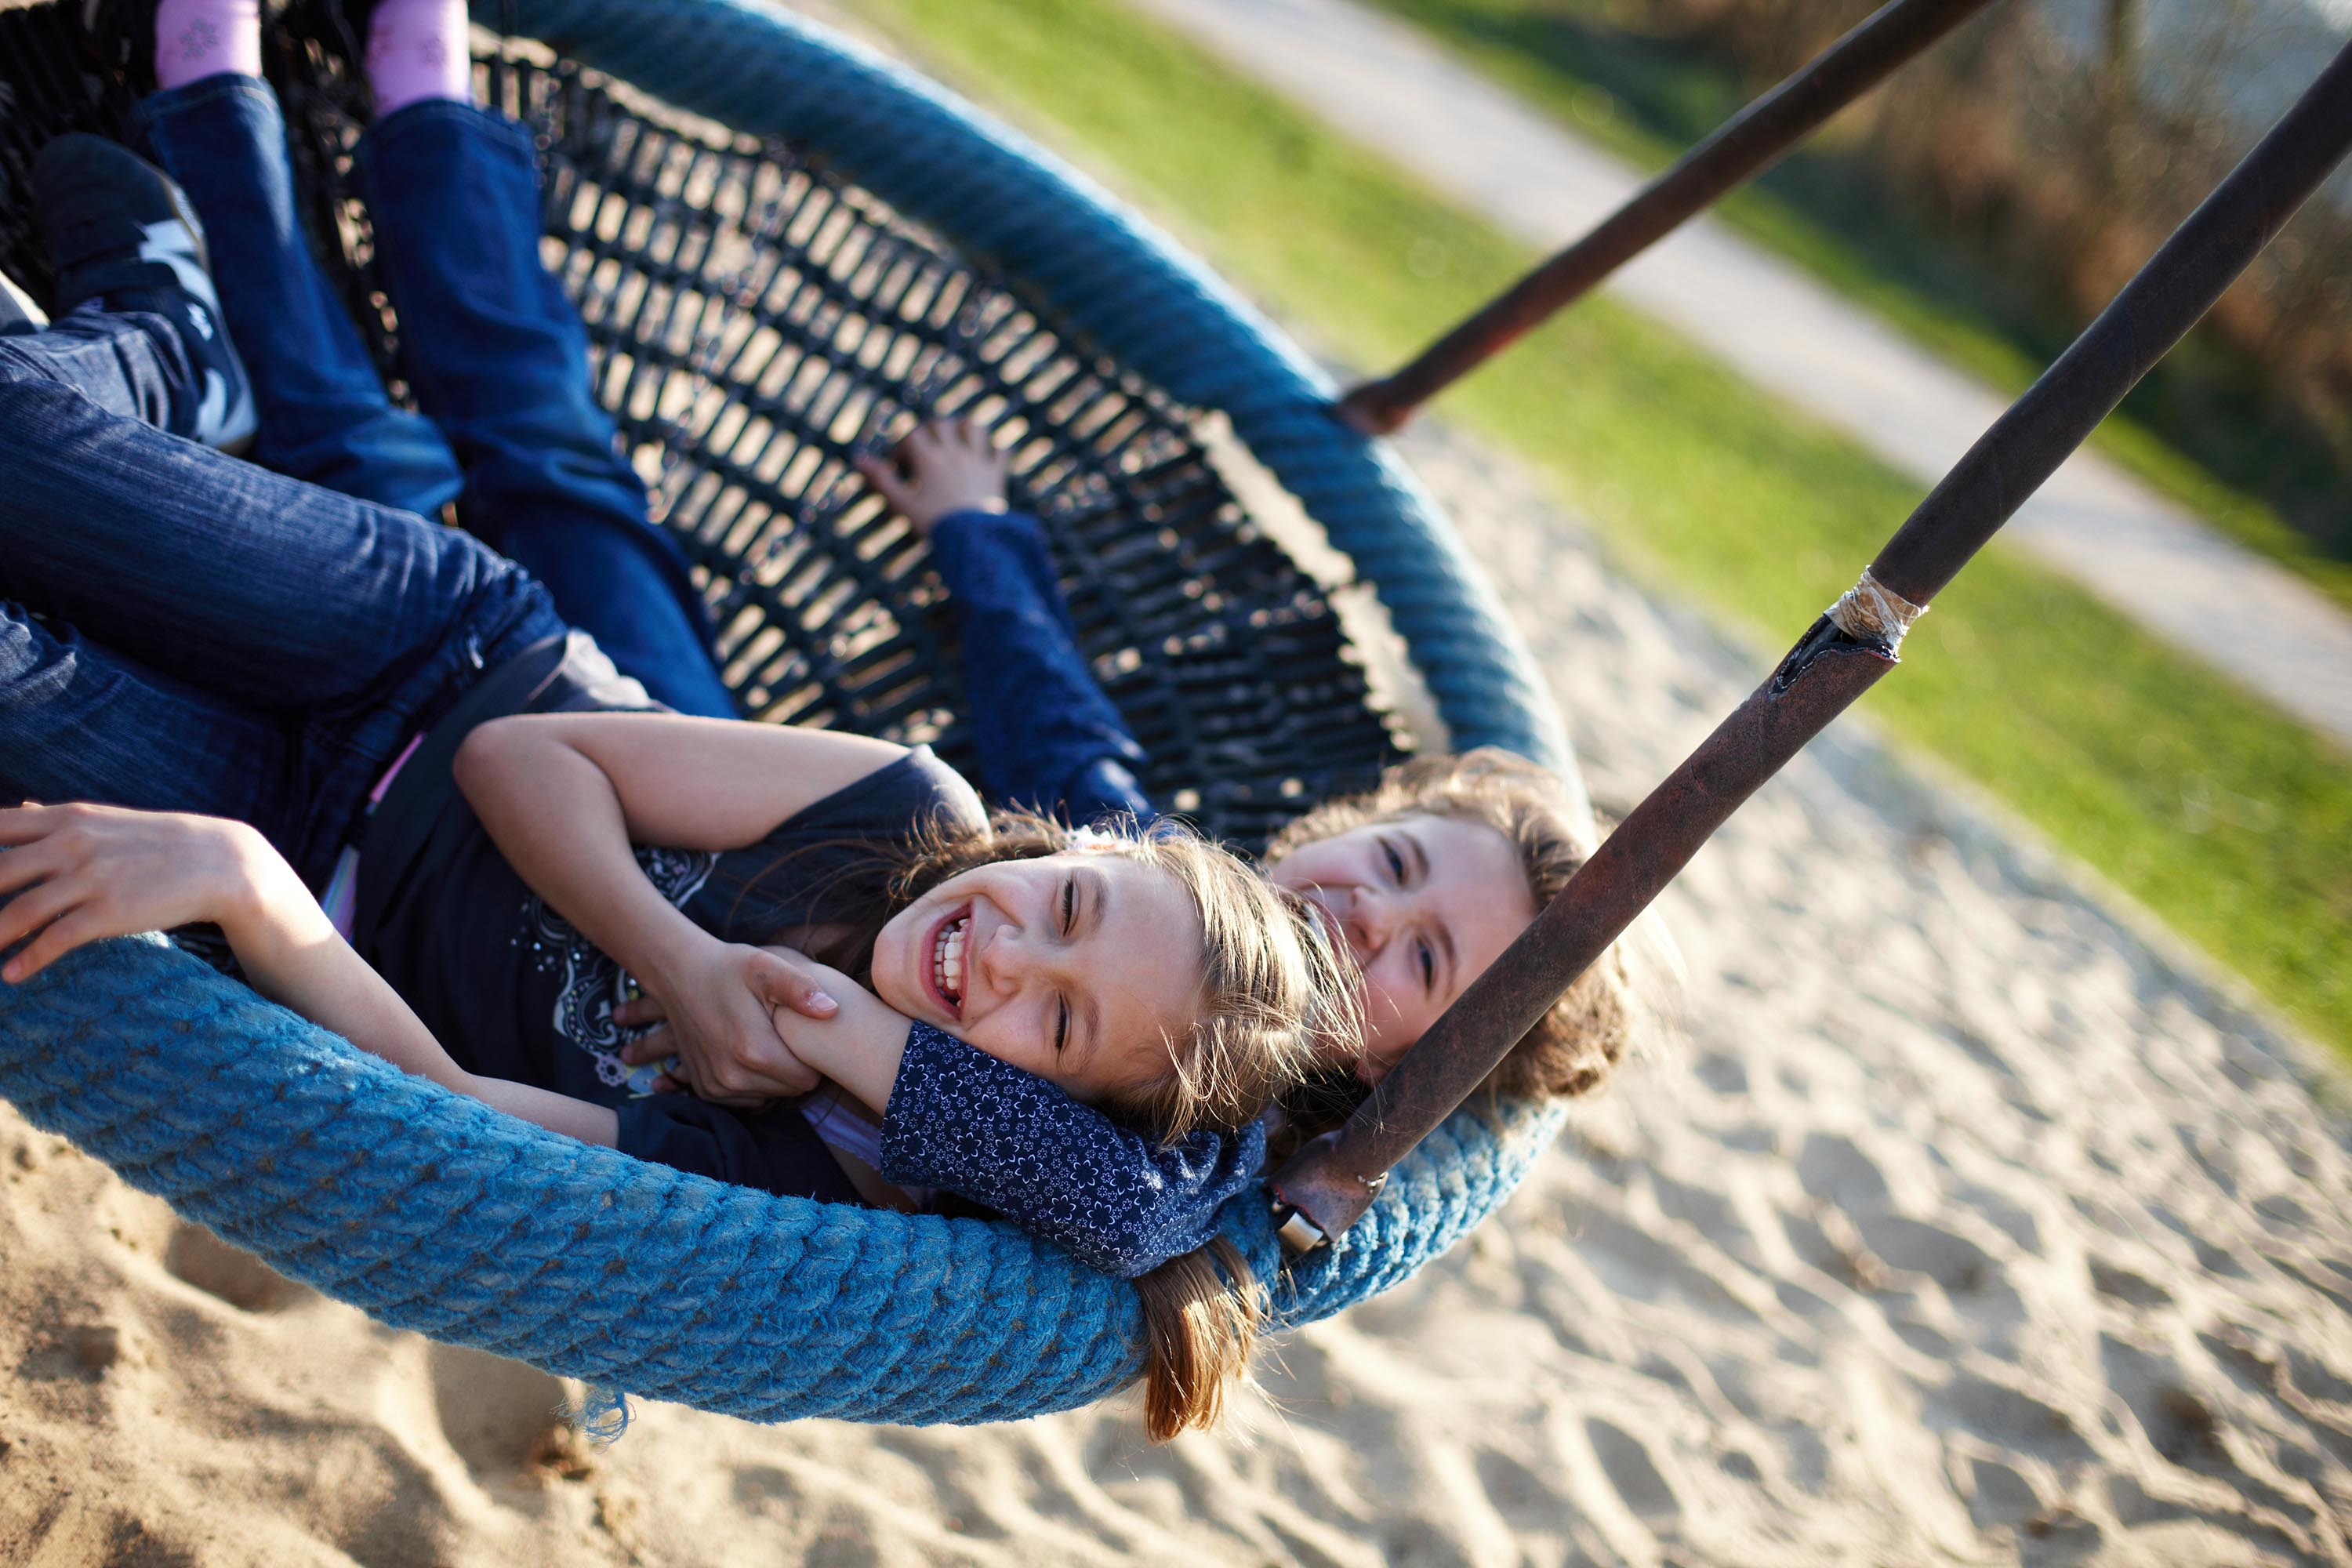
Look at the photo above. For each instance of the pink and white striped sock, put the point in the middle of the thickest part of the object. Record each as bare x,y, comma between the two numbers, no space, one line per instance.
198,39
416,50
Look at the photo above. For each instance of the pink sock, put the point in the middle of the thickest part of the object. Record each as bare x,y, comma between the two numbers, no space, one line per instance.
415,50
198,39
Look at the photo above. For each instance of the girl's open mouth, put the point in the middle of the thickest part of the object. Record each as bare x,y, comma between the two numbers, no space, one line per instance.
942,961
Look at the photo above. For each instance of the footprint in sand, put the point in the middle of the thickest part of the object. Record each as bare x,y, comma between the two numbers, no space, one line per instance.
101,1532
2314,1381
1631,1471
2006,1418
82,1352
2011,1218
2156,1501
500,1417
843,1543
2179,1422
2122,1285
1528,1502
1722,1072
196,1257
1953,1262
1835,1170
2000,1495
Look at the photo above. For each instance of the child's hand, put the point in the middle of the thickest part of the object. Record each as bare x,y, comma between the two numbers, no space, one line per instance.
858,1043
79,873
858,1048
718,1036
946,465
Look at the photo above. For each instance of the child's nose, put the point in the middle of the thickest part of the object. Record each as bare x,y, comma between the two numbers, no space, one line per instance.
1370,920
1010,959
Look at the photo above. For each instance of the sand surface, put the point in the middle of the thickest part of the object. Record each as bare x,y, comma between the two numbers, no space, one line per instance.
1964,1225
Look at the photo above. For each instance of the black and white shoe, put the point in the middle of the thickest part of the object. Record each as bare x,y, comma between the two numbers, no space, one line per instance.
18,312
119,230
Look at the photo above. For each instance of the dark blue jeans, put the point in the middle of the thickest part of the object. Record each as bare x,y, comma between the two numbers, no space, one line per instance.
495,352
181,630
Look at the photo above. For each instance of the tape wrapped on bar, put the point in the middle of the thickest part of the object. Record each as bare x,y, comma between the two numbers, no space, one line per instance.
1871,612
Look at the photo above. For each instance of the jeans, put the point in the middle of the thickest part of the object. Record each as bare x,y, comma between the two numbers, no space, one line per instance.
496,356
1048,737
181,630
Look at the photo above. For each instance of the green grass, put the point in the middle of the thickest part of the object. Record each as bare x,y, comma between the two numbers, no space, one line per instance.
2195,430
2232,822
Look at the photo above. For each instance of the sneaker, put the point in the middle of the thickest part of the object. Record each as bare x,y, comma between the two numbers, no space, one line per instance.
120,230
18,312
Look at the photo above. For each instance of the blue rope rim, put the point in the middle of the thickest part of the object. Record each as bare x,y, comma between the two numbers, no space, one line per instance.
291,1150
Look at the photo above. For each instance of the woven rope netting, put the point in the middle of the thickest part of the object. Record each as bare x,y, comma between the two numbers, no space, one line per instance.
754,324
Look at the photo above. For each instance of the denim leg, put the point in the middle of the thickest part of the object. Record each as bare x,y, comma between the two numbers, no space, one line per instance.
351,624
78,722
265,590
131,365
324,416
498,359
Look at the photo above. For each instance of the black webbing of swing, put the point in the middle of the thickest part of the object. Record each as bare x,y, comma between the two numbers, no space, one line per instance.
1333,1181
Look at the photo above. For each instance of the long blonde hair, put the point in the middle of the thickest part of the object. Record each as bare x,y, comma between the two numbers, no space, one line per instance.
1278,999
1275,996
1579,1042
1207,1306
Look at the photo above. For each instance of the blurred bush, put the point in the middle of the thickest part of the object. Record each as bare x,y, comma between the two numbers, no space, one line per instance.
2065,139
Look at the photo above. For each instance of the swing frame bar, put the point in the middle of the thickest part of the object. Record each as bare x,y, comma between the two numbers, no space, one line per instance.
1330,1184
1741,148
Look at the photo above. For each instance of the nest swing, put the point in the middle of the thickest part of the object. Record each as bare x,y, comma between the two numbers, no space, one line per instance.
783,245
891,253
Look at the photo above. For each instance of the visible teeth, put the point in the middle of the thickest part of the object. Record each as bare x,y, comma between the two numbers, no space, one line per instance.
947,963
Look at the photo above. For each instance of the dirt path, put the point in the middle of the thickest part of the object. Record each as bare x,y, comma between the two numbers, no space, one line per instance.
1389,88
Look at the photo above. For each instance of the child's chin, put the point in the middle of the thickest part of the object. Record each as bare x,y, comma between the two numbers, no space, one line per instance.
909,1001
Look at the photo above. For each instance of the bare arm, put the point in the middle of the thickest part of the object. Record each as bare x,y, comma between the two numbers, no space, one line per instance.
858,1047
566,796
80,873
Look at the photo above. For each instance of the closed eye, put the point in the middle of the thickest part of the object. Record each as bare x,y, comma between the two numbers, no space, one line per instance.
1069,904
1061,1026
1395,860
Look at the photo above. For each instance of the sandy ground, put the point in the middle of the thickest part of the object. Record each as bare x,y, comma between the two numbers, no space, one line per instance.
1963,1226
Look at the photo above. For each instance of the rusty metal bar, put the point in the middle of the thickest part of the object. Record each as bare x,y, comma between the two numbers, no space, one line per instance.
1748,142
1330,1184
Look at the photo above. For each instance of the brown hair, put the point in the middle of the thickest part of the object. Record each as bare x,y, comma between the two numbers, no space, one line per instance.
1577,1045
1204,1311
1201,1314
1277,998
